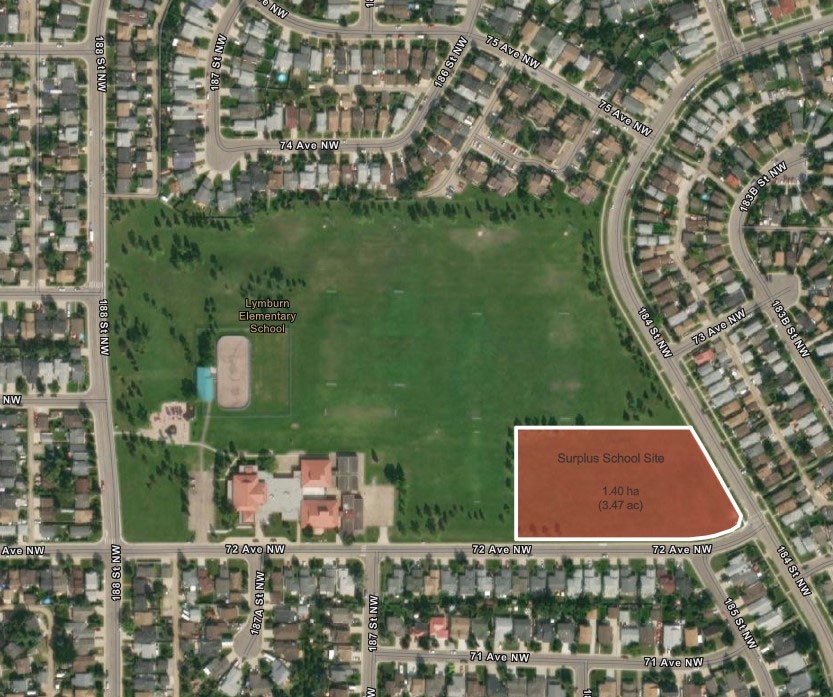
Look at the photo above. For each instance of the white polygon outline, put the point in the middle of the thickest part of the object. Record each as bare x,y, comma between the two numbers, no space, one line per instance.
625,539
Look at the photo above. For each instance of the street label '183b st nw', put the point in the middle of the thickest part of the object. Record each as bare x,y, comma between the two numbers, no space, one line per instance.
755,188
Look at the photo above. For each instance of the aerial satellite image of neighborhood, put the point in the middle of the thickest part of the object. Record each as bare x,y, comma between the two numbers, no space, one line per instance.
416,348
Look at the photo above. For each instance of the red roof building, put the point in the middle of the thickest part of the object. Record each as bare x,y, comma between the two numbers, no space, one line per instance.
320,514
704,357
438,627
787,6
248,494
317,473
733,181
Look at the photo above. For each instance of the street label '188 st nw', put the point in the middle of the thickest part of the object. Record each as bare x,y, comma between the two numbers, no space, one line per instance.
115,573
100,65
103,328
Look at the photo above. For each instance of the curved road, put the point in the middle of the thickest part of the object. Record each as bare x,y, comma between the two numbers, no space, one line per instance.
223,153
619,272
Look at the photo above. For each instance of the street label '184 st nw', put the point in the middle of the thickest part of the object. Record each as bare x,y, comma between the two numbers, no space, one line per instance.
656,334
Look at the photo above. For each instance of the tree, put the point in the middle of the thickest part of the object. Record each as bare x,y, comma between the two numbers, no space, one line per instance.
62,646
188,388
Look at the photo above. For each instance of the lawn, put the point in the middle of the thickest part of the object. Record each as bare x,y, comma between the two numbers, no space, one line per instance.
421,337
151,485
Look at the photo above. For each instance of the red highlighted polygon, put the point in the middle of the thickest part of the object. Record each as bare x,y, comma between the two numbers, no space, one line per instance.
618,483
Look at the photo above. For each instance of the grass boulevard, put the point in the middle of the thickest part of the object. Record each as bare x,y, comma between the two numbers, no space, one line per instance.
424,331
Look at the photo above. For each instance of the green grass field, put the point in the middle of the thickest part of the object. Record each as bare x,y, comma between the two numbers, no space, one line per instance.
150,483
419,338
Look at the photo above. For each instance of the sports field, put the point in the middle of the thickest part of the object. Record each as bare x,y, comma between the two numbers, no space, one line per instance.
421,337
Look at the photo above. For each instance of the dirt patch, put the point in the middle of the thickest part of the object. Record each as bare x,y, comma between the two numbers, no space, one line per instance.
234,372
571,386
481,238
379,502
201,505
170,424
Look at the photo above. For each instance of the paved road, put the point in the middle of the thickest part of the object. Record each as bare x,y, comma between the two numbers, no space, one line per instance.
372,588
247,646
763,291
436,550
97,399
223,153
548,660
618,270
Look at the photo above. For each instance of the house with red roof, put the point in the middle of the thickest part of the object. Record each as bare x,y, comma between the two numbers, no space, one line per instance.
317,474
438,627
320,514
247,493
704,357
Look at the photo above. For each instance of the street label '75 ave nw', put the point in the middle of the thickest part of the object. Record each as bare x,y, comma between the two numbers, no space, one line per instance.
617,114
512,52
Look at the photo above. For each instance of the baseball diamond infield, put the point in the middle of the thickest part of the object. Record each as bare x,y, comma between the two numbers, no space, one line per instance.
233,372
618,483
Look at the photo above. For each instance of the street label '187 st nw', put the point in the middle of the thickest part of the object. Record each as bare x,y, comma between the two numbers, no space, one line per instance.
372,622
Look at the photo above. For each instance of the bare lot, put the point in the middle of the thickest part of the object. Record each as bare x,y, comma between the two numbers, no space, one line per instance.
233,372
201,505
